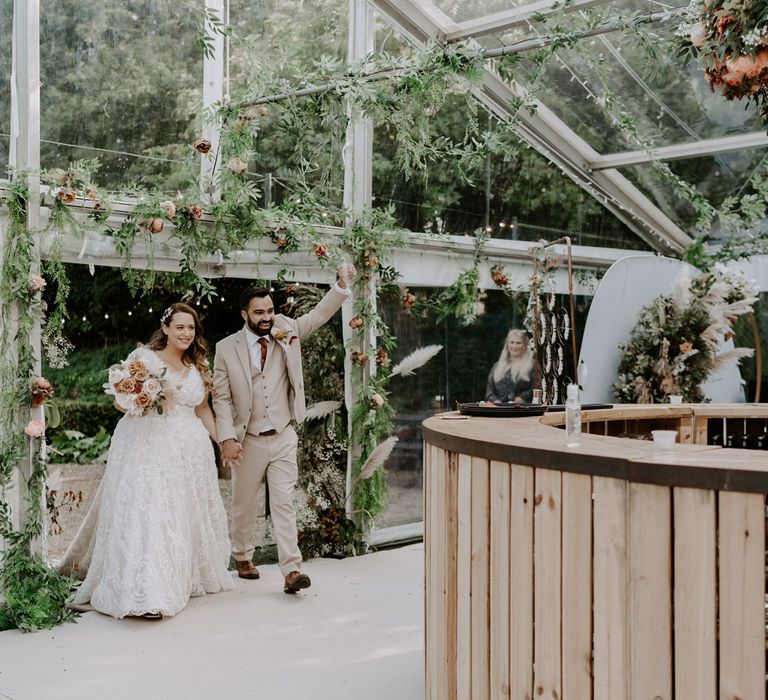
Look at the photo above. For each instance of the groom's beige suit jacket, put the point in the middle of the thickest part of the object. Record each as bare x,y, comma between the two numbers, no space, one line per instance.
233,376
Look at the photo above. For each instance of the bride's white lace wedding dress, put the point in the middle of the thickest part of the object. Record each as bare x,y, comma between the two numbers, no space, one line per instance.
156,533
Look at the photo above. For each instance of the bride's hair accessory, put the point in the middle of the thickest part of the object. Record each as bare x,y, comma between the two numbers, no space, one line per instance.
166,316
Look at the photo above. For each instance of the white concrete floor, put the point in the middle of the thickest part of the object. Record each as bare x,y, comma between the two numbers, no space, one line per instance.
356,633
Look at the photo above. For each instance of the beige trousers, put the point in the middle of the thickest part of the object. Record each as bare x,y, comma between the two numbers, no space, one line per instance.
275,456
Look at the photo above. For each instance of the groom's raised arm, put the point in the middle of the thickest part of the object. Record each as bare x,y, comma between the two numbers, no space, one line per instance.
222,398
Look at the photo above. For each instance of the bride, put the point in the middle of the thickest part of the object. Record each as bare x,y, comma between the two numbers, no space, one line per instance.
156,533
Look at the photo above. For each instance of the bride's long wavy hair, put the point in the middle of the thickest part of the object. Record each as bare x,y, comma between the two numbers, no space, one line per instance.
197,352
518,369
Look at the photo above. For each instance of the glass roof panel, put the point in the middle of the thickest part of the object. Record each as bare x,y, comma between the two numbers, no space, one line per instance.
605,79
122,85
463,10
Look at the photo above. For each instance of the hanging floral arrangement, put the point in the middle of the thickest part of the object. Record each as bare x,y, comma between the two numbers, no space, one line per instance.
673,348
729,38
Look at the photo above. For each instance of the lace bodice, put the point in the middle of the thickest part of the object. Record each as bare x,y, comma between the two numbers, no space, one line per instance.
184,391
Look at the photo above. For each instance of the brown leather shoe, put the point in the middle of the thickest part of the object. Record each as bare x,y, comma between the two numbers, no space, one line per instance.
246,569
295,581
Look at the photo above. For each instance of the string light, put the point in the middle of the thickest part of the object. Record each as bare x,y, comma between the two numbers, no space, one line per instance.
106,315
130,313
84,319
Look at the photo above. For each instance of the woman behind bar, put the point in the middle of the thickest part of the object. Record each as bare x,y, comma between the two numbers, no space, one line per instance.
511,378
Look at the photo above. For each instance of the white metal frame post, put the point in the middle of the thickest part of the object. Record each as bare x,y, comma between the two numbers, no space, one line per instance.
24,155
358,178
213,92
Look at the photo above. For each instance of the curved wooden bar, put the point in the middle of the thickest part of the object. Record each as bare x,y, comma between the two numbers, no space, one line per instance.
609,571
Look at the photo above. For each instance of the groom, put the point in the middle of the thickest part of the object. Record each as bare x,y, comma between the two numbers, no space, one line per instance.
258,389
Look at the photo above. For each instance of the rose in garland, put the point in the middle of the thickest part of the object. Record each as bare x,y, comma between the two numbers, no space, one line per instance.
673,347
729,38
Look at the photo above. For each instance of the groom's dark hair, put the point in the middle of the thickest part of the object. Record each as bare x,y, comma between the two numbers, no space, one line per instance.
250,293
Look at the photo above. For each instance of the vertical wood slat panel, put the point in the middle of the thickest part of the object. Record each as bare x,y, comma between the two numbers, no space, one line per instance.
439,463
741,595
451,564
577,586
463,579
695,616
547,512
521,582
429,617
650,592
610,589
499,582
479,585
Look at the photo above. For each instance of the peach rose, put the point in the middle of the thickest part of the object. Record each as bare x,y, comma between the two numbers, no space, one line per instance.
91,194
35,429
321,251
377,400
66,196
153,387
143,400
126,386
137,366
156,225
686,347
42,390
409,300
37,283
237,165
382,358
196,212
356,322
169,208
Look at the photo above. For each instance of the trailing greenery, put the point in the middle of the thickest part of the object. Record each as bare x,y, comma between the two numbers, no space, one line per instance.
34,595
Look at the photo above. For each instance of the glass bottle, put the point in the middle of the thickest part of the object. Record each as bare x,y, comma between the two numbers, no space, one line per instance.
572,417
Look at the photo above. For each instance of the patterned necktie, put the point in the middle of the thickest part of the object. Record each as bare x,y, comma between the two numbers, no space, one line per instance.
263,343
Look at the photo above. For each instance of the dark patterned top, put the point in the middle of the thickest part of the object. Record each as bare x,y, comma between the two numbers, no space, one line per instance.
507,389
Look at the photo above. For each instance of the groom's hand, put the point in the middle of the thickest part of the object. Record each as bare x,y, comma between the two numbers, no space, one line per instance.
346,273
231,452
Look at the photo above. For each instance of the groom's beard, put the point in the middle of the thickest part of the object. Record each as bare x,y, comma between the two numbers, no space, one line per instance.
261,328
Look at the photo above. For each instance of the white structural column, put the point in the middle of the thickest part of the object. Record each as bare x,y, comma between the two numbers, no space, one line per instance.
358,175
213,92
25,155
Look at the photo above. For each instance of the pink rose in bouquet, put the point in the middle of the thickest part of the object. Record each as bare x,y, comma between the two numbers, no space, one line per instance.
138,385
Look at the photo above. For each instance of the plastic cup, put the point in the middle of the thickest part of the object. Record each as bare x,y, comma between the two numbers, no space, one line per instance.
675,400
664,439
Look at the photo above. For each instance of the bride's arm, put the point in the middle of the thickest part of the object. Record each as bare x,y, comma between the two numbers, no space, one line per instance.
205,414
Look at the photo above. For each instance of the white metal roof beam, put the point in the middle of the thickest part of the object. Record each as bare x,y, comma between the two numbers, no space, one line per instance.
695,149
514,17
562,146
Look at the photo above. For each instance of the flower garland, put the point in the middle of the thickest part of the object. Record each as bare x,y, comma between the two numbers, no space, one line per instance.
729,38
35,596
673,347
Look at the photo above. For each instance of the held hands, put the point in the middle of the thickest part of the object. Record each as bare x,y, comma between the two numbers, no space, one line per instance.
346,272
231,452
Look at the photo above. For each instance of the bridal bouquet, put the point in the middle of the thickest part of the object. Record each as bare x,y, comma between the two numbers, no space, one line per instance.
137,389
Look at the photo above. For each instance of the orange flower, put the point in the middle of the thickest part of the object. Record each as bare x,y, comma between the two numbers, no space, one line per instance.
42,390
138,370
156,225
196,212
202,145
66,196
126,386
686,347
409,299
382,359
356,322
321,251
143,400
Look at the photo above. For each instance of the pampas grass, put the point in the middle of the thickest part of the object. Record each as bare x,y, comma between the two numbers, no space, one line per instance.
378,456
418,358
321,409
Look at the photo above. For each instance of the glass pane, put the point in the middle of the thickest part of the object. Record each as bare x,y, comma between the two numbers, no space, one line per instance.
287,40
463,10
121,82
6,37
